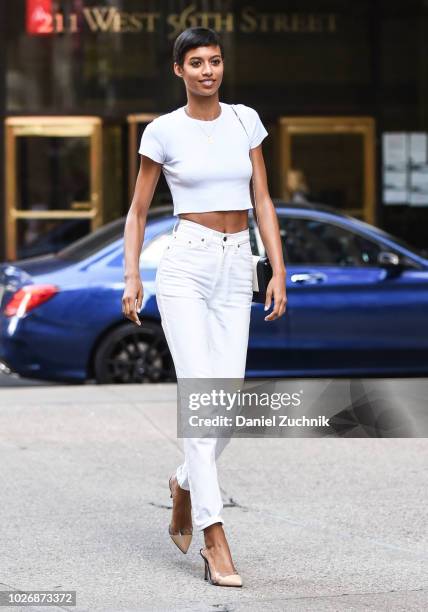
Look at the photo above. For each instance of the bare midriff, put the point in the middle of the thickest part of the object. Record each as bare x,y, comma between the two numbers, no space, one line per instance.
226,221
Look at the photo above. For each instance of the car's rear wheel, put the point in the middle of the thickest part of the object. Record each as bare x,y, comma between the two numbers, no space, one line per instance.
133,354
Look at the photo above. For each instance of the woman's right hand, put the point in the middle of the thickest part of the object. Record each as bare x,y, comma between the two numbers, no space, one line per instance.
132,299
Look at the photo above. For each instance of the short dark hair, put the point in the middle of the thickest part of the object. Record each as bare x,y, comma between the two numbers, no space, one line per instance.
192,38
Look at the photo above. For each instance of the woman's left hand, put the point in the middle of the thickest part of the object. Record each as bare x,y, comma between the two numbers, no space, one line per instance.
276,290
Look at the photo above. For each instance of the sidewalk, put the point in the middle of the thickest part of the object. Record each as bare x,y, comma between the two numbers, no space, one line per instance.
313,524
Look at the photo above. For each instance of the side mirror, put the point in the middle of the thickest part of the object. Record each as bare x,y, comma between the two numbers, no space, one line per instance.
391,262
387,258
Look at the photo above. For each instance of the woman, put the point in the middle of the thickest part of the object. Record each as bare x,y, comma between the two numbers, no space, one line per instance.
204,279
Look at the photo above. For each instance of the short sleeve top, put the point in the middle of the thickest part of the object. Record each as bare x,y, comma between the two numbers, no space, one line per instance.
205,163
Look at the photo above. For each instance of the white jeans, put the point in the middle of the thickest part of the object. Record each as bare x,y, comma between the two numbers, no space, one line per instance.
204,292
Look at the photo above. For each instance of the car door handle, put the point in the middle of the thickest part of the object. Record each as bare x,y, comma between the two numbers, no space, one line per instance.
308,277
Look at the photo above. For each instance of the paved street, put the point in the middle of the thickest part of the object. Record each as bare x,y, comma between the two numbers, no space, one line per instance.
13,380
313,524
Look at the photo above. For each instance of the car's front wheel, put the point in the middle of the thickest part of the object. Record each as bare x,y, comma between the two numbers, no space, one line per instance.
133,354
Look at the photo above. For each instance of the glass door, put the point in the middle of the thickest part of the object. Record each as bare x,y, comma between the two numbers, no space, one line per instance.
53,182
329,160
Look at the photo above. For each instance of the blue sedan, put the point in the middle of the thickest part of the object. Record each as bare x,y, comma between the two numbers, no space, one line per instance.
357,306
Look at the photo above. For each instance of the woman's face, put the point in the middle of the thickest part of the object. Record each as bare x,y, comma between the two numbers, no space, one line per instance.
202,70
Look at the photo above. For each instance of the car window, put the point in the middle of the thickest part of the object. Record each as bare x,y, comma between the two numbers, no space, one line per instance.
152,251
309,241
421,252
93,242
253,239
105,235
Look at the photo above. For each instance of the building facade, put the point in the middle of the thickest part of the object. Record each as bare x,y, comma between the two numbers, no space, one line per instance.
341,86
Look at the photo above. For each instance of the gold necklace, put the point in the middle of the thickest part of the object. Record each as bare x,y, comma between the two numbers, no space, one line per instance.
209,136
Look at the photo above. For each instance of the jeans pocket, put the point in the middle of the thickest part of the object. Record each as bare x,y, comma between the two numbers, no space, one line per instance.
244,250
182,256
173,246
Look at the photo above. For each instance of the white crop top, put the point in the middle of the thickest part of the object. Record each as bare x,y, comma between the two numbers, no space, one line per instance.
205,176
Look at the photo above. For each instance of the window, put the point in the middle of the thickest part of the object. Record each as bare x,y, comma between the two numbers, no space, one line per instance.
308,241
253,238
93,242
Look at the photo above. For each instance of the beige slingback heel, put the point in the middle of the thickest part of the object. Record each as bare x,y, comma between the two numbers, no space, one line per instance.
218,579
183,538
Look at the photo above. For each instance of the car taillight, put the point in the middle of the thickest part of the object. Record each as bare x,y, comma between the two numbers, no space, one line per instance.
27,298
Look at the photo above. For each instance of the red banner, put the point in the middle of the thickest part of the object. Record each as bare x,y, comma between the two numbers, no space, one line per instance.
39,17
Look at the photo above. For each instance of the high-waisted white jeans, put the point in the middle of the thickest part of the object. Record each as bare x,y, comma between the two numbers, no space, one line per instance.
204,292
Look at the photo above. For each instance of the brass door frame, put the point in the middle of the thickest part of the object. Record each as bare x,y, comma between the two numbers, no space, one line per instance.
133,120
288,126
45,126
